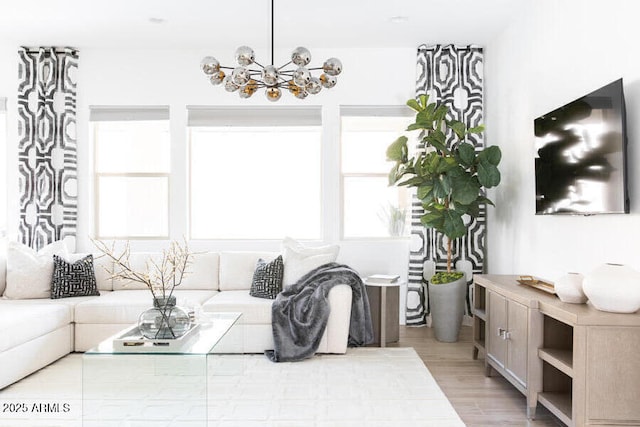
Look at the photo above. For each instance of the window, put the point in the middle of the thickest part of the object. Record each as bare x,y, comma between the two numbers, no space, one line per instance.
370,208
131,167
255,173
3,161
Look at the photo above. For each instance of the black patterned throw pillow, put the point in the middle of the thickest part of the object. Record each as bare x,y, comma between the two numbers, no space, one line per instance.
267,279
73,279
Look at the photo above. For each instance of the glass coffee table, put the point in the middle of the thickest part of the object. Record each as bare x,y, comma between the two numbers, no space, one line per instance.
153,386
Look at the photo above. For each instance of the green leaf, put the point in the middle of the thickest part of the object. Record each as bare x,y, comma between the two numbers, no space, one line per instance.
416,126
446,164
483,199
425,117
453,226
437,140
488,174
398,151
433,219
440,112
394,175
424,99
411,182
467,154
414,105
476,129
432,162
430,109
465,188
473,209
441,187
424,191
492,154
458,127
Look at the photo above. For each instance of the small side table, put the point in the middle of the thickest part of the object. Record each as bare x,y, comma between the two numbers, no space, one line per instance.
384,302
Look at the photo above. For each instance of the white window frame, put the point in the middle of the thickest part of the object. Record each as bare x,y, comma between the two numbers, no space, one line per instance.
368,111
127,113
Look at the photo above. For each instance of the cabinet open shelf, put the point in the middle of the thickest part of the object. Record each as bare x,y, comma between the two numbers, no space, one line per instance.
479,339
557,349
560,359
557,389
559,404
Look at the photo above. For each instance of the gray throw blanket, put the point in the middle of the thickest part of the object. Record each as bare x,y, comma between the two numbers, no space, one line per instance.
300,313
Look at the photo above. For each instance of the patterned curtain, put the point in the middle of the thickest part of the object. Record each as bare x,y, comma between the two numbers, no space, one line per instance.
450,75
47,144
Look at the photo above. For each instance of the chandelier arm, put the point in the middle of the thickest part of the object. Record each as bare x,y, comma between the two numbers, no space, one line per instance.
315,68
259,65
284,65
226,68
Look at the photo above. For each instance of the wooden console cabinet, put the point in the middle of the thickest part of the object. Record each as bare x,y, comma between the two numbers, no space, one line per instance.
580,363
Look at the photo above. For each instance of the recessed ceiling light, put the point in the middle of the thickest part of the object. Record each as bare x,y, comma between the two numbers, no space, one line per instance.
155,20
399,19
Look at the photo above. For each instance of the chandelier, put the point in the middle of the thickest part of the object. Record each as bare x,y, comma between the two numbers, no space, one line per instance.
295,76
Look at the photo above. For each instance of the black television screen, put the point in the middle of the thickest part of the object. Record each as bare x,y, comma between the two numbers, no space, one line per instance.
581,155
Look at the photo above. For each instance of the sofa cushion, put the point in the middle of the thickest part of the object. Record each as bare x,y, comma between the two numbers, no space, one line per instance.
126,306
300,259
29,272
68,303
22,322
203,272
267,279
237,268
73,279
254,310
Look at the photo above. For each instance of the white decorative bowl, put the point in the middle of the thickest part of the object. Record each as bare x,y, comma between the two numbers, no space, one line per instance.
614,288
569,288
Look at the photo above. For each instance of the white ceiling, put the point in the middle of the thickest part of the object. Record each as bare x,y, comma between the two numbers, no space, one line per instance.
196,24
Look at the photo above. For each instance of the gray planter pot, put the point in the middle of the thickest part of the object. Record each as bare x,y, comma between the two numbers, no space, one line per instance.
447,308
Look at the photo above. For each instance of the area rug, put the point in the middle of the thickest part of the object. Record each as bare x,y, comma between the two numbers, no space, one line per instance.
370,387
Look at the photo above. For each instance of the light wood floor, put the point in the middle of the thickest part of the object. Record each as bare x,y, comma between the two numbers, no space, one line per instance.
479,400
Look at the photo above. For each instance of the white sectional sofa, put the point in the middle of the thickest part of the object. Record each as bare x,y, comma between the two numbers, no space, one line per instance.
36,332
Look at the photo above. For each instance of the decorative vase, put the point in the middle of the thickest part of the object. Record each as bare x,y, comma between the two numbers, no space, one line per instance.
614,288
569,288
447,302
164,320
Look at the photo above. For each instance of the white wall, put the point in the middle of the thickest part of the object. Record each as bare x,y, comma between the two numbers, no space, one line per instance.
558,50
173,77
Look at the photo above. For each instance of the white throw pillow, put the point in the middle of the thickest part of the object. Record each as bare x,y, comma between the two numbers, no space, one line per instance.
29,273
300,259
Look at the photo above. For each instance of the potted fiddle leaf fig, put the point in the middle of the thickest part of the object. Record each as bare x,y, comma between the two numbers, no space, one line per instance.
450,178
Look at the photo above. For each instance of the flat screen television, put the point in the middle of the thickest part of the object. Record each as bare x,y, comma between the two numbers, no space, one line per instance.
581,155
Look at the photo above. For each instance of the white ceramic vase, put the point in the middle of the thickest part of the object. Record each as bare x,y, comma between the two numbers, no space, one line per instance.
569,288
614,288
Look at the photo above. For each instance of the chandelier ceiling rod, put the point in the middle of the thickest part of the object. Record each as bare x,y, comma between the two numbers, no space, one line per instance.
272,31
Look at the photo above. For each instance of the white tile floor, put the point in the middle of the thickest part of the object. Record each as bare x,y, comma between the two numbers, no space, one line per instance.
366,387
